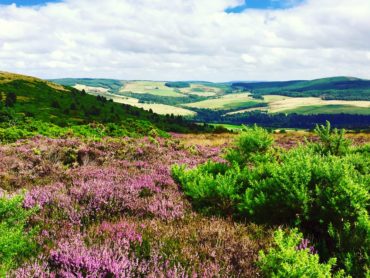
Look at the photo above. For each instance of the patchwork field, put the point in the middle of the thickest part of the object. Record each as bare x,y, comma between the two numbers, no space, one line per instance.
91,89
149,87
308,106
226,102
232,103
330,109
292,104
202,90
161,109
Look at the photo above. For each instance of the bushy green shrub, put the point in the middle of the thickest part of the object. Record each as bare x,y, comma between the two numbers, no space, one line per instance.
211,186
332,141
286,260
321,188
16,243
24,129
251,142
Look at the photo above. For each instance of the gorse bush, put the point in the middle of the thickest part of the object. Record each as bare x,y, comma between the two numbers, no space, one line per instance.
16,243
287,260
253,141
332,141
322,188
12,132
212,186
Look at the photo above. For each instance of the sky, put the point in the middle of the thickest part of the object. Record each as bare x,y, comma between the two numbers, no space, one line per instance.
214,40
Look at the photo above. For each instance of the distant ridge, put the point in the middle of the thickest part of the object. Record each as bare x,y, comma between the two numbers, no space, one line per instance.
341,88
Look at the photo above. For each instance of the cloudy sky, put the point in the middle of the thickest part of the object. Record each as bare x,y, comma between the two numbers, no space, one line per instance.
216,40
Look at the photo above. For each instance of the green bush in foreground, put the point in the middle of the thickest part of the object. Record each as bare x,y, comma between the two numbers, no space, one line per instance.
321,188
252,142
16,244
285,260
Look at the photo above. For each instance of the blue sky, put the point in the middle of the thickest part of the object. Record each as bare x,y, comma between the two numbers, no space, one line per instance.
26,2
249,4
265,4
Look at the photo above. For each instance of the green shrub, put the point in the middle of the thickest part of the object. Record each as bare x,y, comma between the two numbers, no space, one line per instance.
286,260
16,243
212,186
252,142
332,141
322,189
24,129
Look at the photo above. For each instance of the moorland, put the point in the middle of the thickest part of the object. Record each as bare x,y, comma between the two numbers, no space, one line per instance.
92,186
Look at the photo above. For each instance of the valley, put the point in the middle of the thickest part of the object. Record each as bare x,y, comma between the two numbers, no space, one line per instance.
235,102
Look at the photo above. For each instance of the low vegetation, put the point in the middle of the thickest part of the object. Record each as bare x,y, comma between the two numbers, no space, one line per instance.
16,239
320,188
177,84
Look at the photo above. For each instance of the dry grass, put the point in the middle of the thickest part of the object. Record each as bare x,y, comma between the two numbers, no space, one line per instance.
289,139
292,103
6,77
90,89
248,110
273,98
198,239
207,139
161,109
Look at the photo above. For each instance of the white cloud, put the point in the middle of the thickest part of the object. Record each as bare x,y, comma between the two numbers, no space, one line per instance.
186,39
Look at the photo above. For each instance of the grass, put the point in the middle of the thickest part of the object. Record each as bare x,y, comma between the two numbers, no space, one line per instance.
289,104
229,126
150,87
330,109
157,108
226,102
273,98
202,90
66,106
111,85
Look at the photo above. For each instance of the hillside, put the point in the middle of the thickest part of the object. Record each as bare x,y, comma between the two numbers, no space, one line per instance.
28,98
344,101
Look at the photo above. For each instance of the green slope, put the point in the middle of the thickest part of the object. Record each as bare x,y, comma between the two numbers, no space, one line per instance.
112,85
65,106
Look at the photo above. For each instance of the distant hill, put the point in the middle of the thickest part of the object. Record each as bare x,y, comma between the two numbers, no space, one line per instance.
339,88
112,85
29,97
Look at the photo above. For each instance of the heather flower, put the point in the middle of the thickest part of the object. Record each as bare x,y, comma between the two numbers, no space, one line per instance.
305,244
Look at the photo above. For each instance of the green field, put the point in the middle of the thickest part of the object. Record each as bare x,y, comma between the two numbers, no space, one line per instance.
229,126
149,87
225,102
158,108
267,97
329,109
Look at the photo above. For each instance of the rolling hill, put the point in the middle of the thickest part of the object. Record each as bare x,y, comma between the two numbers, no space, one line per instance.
334,96
25,98
339,88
